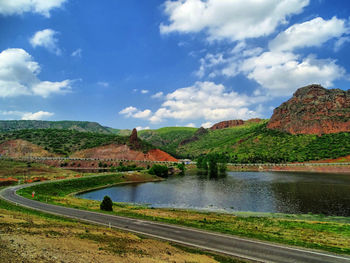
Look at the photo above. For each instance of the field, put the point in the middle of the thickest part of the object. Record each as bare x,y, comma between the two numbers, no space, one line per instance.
312,231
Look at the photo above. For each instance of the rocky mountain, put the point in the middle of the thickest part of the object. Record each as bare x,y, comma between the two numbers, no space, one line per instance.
81,126
313,110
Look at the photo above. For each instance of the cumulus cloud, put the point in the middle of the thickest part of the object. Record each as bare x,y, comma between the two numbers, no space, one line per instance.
128,111
142,114
46,39
19,76
281,73
309,34
203,100
144,91
43,7
40,115
226,19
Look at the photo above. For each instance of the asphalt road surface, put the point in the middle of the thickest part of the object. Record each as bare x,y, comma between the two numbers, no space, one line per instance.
230,245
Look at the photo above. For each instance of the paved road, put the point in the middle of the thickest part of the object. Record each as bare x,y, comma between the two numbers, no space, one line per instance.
230,245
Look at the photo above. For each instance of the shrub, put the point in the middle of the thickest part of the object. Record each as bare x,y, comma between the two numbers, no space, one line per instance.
159,170
107,204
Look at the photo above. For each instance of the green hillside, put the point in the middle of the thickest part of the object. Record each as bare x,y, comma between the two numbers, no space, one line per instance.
82,126
66,142
254,143
168,138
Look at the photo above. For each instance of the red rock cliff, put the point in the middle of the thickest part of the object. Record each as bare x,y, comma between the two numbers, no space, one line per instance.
227,124
313,110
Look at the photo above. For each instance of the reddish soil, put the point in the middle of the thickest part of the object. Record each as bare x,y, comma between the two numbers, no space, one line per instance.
22,148
123,152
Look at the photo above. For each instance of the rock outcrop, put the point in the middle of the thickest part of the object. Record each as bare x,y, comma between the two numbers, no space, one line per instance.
133,140
313,110
233,123
226,124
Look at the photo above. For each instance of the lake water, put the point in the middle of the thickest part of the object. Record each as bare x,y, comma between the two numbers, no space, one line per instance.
293,193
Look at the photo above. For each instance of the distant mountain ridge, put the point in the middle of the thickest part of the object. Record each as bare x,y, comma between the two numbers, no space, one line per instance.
81,126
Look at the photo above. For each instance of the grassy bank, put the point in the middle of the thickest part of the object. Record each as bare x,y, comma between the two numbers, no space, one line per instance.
311,231
30,236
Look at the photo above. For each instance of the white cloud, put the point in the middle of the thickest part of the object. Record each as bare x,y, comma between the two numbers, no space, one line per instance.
18,76
340,43
103,84
142,114
281,73
128,111
227,19
45,88
207,124
312,33
140,128
144,91
46,39
158,95
43,7
191,125
203,100
40,115
77,53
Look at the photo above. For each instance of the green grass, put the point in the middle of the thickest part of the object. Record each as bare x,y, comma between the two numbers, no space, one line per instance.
66,142
311,231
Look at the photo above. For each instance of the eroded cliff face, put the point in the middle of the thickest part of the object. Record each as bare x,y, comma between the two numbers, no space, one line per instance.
313,110
227,124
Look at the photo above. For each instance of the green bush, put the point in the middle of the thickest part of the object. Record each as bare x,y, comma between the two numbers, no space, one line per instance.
107,204
159,170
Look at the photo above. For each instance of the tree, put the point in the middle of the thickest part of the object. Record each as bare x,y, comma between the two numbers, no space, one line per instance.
159,170
107,204
182,167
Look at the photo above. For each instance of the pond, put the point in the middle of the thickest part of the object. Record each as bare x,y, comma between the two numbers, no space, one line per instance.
278,192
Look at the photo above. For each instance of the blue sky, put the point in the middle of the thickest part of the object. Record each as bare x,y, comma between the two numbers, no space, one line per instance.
157,63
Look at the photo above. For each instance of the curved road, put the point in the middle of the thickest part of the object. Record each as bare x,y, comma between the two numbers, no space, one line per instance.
230,245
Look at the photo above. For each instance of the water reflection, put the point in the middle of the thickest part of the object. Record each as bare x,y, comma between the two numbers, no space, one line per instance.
242,191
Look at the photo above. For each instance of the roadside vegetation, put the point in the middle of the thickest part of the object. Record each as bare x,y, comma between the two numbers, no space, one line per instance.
311,231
